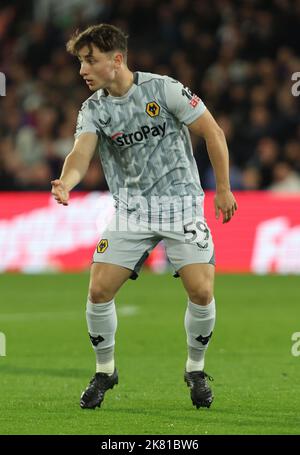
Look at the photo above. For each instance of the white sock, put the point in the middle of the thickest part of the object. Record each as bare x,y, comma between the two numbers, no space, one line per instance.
108,367
102,325
199,323
194,366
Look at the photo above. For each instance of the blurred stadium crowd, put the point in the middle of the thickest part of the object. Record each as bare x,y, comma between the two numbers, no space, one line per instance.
238,56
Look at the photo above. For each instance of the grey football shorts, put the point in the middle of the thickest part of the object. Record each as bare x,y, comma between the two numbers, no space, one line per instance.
130,247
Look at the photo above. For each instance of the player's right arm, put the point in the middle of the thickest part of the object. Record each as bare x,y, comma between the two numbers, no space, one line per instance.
75,167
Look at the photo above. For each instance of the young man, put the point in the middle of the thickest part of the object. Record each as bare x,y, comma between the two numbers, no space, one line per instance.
140,122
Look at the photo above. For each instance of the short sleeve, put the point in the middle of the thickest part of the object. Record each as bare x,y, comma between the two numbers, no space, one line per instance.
182,102
87,119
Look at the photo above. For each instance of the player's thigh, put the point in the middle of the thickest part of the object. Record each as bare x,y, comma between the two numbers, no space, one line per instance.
118,256
192,256
194,246
106,280
198,280
124,245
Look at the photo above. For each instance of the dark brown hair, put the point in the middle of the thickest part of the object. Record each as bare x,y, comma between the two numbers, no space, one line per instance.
105,37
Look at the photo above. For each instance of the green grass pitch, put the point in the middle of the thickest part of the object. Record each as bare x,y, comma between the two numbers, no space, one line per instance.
49,358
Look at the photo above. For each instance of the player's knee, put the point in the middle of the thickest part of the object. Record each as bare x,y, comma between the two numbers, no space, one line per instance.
99,293
202,294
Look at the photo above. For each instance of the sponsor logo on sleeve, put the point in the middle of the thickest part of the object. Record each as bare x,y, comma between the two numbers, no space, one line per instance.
193,99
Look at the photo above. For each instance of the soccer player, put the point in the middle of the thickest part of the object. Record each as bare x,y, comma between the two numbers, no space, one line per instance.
140,124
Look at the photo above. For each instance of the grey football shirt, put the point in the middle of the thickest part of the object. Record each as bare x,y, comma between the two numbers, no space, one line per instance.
144,143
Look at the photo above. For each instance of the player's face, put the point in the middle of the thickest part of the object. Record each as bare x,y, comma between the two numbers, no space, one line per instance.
98,69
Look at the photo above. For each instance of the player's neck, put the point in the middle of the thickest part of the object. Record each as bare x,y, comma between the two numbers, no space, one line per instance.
122,83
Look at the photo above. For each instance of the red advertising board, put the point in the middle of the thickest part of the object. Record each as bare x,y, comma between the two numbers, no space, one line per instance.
262,237
37,234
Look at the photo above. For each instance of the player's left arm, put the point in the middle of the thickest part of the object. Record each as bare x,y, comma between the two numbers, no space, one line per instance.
206,127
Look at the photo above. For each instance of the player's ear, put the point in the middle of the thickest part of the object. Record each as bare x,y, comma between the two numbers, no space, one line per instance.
118,59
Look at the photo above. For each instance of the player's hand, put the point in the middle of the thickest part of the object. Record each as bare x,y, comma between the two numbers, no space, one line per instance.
59,191
226,203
